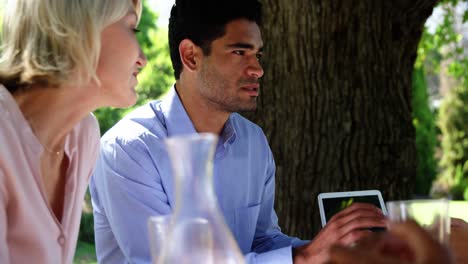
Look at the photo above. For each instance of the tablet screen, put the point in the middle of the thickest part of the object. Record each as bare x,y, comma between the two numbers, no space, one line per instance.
331,206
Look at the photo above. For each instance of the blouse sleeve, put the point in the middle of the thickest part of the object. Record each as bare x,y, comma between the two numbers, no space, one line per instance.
4,254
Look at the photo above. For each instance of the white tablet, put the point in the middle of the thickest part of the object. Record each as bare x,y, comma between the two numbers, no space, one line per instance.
333,202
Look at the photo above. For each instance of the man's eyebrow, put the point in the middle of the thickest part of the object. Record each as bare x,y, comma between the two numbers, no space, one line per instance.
244,46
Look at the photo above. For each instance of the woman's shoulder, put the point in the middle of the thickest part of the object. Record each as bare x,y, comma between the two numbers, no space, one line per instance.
90,123
84,139
86,132
89,126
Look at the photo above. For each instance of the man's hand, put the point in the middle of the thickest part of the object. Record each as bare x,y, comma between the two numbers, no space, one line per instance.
344,228
404,243
459,240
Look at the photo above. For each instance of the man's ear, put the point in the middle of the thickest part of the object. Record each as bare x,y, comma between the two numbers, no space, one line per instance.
190,55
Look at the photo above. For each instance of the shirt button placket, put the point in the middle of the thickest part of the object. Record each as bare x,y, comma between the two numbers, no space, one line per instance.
61,240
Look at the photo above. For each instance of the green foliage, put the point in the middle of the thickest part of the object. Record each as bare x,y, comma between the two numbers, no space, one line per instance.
85,253
86,228
446,40
87,221
157,76
107,117
445,45
1,19
429,56
427,63
423,121
453,122
147,23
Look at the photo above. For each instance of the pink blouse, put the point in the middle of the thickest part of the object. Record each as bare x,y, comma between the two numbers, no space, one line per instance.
29,230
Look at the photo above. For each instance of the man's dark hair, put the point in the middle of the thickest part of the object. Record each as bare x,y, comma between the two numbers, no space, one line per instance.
203,21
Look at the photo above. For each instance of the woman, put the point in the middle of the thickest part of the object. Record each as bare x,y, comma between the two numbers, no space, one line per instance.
60,60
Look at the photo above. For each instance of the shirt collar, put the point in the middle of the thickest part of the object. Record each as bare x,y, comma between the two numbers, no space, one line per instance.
228,135
178,122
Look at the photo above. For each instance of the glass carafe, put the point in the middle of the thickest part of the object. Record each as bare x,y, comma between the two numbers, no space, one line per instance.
198,232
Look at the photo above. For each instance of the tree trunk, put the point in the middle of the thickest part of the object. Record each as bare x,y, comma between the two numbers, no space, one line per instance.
336,100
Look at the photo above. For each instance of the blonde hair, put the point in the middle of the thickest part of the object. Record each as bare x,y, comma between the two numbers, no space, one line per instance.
47,42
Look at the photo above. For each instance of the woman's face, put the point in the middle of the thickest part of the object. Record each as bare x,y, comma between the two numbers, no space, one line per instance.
119,62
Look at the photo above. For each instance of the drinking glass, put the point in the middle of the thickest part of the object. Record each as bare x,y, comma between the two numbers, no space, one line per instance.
198,233
159,228
431,214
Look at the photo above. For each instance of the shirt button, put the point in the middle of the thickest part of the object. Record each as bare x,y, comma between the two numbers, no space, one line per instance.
61,240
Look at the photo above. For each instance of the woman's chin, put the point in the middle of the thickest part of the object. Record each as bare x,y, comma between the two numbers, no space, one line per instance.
126,102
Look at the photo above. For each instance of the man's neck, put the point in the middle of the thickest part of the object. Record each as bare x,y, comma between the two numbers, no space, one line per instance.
205,117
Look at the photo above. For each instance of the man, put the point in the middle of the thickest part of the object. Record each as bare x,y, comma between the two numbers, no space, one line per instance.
215,50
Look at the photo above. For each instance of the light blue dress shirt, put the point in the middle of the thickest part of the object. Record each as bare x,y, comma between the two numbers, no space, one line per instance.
133,181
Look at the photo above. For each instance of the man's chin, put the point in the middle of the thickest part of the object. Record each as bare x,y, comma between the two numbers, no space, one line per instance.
249,108
241,106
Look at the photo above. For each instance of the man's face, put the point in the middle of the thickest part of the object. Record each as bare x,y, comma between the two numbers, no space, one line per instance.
229,76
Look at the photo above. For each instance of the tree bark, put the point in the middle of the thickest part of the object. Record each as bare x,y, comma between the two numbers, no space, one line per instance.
336,100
